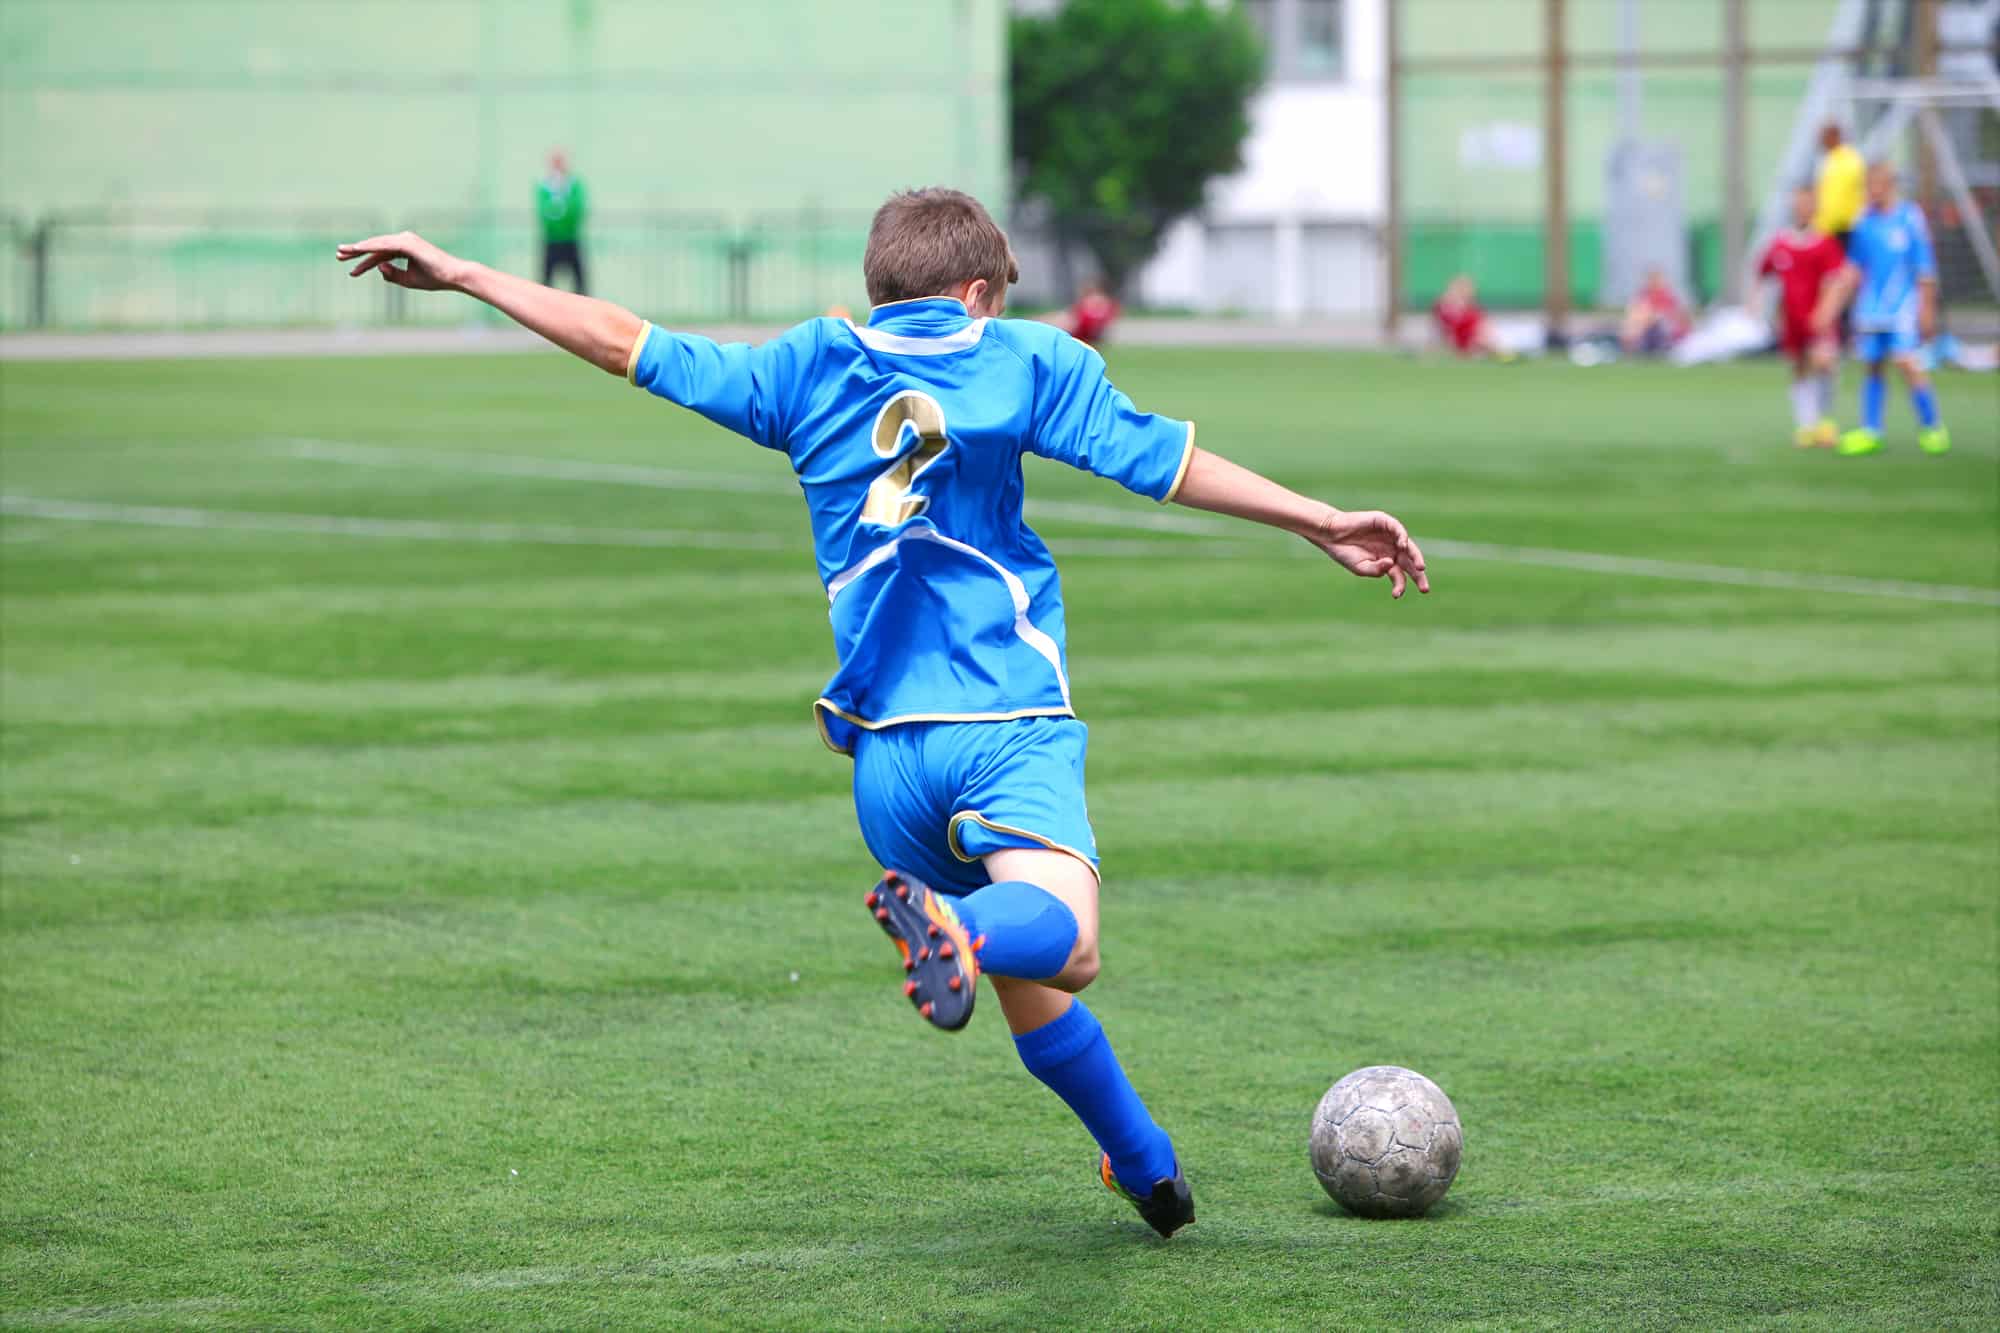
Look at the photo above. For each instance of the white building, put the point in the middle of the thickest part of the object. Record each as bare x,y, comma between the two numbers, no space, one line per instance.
1296,232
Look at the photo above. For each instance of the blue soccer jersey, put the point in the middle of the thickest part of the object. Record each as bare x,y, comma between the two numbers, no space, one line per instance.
1892,249
907,436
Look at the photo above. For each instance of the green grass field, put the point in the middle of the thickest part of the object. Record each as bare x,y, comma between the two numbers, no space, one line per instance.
452,919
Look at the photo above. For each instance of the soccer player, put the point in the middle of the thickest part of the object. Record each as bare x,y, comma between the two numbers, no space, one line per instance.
1840,191
1891,277
951,695
1802,260
1655,320
1462,323
1090,319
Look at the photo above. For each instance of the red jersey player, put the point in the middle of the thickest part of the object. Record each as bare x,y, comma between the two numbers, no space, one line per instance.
1802,259
1090,318
1463,324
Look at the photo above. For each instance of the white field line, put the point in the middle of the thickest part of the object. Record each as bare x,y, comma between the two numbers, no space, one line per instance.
1728,575
1102,515
394,529
1172,521
553,469
497,534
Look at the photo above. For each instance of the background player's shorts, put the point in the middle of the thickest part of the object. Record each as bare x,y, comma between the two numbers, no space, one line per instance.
1797,338
1881,344
933,797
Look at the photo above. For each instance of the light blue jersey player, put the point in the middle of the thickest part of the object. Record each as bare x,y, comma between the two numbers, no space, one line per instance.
952,693
1891,276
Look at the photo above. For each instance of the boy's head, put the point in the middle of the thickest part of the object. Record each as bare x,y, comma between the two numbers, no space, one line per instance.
1882,184
938,242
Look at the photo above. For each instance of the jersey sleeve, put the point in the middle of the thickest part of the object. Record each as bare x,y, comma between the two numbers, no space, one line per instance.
1083,421
753,391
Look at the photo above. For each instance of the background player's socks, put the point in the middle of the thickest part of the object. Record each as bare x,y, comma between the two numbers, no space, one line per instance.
1872,394
1029,931
1827,384
1925,401
1072,1056
1805,404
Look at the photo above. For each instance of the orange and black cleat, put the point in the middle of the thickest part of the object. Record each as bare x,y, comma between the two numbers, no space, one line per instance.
1170,1207
938,954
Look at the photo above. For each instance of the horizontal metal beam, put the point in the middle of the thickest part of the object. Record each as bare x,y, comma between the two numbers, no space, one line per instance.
1532,63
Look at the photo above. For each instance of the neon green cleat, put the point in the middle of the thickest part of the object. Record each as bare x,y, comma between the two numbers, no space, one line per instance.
1936,440
1858,442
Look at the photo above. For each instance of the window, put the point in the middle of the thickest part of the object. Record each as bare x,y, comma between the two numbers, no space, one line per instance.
1302,38
1317,53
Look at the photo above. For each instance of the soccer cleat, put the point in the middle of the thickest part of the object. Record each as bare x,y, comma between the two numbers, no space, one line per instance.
1936,440
1171,1206
1858,442
1805,437
938,955
1826,434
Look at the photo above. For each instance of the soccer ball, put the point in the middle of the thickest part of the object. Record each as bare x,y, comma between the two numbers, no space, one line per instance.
1386,1142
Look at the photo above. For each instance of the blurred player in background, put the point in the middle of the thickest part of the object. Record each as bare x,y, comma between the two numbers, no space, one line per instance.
907,435
1839,196
1841,192
559,204
1091,317
1891,278
1463,325
1802,260
1655,320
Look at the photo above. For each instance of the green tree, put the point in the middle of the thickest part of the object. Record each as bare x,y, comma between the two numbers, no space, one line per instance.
1124,110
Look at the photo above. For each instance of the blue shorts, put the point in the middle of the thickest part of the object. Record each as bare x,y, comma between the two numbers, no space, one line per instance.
933,797
1874,345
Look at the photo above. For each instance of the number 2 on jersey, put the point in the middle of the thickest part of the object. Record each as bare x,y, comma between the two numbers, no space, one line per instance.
910,414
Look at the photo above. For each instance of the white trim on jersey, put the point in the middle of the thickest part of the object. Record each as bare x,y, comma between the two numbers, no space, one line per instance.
1024,629
898,344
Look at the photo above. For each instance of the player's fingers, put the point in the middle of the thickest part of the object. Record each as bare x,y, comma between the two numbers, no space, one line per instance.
371,261
1396,581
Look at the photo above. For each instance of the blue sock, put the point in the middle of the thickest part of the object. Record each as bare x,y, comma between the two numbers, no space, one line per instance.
1925,401
1872,394
1029,931
1072,1056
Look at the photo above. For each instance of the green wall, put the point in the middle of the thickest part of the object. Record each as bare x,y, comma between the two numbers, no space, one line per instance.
256,123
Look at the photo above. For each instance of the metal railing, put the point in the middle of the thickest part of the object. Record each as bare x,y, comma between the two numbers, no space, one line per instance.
183,271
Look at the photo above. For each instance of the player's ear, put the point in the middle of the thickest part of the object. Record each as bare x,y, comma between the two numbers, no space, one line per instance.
974,295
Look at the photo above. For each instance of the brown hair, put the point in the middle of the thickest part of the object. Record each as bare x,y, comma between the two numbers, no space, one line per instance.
925,242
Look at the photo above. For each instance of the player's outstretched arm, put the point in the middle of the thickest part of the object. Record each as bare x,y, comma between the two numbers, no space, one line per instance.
598,331
1364,542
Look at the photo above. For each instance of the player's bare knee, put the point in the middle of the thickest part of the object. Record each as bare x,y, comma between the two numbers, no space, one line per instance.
1082,967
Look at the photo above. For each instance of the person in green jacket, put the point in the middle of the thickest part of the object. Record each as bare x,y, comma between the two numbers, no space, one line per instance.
560,206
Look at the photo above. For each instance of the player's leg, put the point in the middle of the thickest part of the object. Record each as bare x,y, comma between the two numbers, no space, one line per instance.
1823,365
1061,1043
1931,433
1804,395
1867,437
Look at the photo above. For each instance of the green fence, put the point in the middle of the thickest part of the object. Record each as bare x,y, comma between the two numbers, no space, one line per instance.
163,271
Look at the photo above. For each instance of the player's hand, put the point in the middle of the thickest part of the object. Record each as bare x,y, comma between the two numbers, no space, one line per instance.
1373,545
425,268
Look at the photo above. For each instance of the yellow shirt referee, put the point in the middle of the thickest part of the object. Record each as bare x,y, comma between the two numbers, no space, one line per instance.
1843,186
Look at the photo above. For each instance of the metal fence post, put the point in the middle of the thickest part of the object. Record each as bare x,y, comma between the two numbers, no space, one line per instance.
38,283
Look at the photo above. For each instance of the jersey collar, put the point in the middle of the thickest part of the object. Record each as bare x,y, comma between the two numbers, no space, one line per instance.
925,314
928,326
